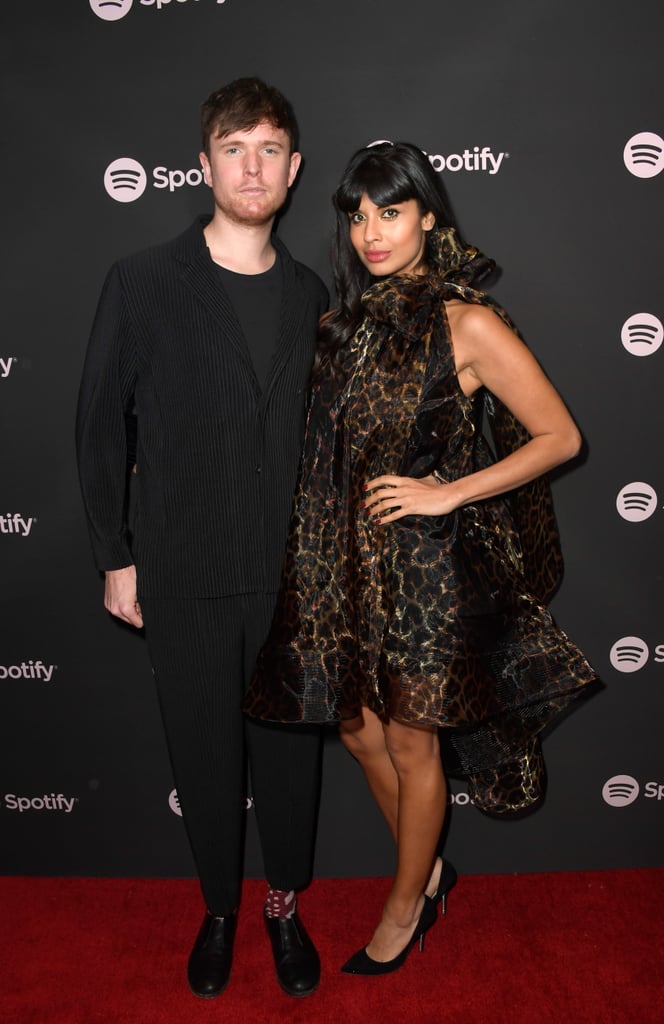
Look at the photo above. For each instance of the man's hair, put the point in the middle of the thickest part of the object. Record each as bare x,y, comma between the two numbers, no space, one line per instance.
241,105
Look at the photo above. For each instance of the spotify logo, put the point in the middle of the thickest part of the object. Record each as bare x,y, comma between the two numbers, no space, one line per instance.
644,155
642,334
111,10
620,791
629,654
636,502
125,180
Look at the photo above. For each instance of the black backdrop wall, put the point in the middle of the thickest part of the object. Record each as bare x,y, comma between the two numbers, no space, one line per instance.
545,122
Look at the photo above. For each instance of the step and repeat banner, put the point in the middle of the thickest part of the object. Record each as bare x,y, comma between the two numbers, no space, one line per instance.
545,125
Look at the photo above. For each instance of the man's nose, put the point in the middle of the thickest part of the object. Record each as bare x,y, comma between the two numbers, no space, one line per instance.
252,163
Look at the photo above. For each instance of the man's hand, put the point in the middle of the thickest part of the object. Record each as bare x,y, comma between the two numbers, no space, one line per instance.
120,595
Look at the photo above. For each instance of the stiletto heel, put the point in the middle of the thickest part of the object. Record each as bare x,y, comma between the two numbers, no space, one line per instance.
447,881
361,962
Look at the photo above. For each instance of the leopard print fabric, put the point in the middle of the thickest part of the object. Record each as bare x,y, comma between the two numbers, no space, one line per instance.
431,620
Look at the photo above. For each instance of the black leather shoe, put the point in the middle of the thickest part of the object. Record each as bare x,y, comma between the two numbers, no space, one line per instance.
295,957
209,966
361,962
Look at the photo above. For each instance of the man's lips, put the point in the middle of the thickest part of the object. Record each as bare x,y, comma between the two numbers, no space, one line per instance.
376,256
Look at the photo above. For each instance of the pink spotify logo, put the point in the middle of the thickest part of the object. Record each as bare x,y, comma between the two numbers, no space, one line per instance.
111,10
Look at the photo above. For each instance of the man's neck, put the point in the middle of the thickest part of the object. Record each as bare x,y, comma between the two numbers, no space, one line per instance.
242,248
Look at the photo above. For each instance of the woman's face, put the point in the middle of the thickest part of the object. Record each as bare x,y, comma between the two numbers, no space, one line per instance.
390,239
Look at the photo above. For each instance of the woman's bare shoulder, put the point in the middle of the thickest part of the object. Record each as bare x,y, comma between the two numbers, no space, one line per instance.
471,318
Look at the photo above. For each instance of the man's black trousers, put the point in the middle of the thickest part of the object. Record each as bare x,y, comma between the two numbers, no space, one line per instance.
202,653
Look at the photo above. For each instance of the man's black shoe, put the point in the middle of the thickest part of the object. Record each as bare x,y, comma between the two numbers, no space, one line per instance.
295,957
210,961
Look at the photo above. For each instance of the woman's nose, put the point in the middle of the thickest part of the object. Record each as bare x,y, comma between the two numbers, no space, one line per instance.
372,229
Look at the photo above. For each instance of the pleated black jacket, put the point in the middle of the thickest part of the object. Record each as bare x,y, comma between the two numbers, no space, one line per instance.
216,458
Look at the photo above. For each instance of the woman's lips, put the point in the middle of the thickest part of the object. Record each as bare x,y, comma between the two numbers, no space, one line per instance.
373,256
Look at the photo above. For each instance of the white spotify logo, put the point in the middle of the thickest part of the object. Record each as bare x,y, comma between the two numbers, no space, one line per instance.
642,334
644,155
174,803
111,10
125,180
620,791
629,654
636,502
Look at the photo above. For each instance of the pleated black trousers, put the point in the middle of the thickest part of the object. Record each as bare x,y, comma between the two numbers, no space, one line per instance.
202,653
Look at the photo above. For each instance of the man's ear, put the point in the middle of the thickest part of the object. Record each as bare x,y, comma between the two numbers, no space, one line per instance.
205,164
295,161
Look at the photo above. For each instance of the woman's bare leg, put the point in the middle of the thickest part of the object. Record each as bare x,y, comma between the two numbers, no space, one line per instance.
418,783
364,738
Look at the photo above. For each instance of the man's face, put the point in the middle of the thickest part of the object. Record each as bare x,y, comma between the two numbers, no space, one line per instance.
250,173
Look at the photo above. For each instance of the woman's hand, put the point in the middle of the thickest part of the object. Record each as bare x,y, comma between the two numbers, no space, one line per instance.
407,496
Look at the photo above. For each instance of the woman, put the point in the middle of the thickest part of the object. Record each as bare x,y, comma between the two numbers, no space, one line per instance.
413,591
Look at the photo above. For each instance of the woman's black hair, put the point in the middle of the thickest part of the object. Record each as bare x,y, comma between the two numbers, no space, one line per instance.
387,173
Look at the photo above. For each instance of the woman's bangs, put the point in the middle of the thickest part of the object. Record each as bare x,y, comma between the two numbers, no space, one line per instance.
382,183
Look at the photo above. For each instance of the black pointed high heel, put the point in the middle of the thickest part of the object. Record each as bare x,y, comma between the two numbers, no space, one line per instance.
361,962
447,880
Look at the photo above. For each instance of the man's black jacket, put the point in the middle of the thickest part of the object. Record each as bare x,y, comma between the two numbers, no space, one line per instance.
216,458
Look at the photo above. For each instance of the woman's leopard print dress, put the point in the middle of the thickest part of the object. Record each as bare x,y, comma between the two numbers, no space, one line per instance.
436,620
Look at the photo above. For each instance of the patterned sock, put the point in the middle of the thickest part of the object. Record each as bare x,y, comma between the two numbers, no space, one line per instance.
280,903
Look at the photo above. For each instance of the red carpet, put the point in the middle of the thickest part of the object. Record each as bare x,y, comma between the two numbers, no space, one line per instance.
582,948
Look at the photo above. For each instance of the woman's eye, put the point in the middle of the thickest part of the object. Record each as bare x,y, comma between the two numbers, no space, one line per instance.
356,218
390,214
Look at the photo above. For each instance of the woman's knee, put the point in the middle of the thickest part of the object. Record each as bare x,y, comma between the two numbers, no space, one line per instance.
348,738
361,740
411,748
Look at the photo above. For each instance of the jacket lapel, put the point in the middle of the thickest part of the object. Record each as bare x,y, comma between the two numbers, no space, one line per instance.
198,273
200,276
293,308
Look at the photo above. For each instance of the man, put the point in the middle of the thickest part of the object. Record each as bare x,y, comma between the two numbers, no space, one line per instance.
209,339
